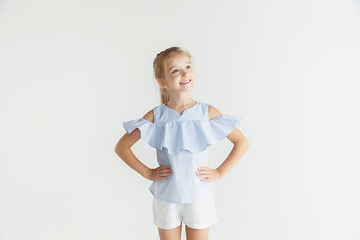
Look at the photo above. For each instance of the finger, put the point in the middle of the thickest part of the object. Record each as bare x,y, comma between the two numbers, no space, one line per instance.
203,168
162,177
166,171
165,167
201,173
205,179
204,171
165,174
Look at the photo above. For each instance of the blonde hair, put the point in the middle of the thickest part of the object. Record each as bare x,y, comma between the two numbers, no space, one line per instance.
159,66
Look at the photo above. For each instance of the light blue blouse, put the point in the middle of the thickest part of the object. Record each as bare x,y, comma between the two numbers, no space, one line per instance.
182,141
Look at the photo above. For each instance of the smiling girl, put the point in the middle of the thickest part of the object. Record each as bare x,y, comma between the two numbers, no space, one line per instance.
181,129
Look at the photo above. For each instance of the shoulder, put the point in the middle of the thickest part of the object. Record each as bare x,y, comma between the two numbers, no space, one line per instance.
213,112
149,116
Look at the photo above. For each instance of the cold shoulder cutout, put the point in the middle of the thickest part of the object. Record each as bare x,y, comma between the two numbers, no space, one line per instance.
213,112
149,116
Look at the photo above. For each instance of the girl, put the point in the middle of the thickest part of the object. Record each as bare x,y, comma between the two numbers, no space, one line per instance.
181,129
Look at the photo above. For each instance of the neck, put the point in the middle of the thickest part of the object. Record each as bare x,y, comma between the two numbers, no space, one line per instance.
180,100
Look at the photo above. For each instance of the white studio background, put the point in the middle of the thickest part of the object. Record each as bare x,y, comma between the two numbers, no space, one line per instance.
71,72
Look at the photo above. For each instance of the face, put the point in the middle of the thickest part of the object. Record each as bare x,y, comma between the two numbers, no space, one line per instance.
179,75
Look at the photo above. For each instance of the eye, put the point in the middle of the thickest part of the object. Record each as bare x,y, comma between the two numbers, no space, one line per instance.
188,67
175,71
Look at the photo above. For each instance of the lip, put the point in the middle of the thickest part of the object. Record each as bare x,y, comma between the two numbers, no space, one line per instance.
187,82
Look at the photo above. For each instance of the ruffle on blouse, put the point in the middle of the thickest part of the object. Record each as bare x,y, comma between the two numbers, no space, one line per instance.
192,135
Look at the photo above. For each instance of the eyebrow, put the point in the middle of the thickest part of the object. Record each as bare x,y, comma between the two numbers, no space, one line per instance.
175,66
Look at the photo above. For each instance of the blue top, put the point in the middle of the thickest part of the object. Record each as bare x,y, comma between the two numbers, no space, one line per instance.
182,141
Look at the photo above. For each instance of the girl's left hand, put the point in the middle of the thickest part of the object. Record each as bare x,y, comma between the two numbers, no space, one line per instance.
208,174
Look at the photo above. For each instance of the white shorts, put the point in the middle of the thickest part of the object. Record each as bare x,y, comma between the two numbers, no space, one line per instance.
197,215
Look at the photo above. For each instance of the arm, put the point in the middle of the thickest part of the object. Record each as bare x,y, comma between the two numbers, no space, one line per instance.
123,150
241,145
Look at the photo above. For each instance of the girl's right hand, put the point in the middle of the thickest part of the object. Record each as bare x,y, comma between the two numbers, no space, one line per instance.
159,173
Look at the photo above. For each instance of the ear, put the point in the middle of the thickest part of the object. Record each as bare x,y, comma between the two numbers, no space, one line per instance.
161,82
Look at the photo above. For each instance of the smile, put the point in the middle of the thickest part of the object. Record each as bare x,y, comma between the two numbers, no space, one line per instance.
186,82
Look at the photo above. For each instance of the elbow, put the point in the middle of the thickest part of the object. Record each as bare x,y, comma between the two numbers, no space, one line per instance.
242,143
125,143
245,143
120,149
117,150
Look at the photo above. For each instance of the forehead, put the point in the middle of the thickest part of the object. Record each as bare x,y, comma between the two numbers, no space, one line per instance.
177,59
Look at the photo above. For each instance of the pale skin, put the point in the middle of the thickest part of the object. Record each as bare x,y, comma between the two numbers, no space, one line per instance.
176,80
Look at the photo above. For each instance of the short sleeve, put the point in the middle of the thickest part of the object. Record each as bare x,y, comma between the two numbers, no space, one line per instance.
147,129
222,126
140,123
